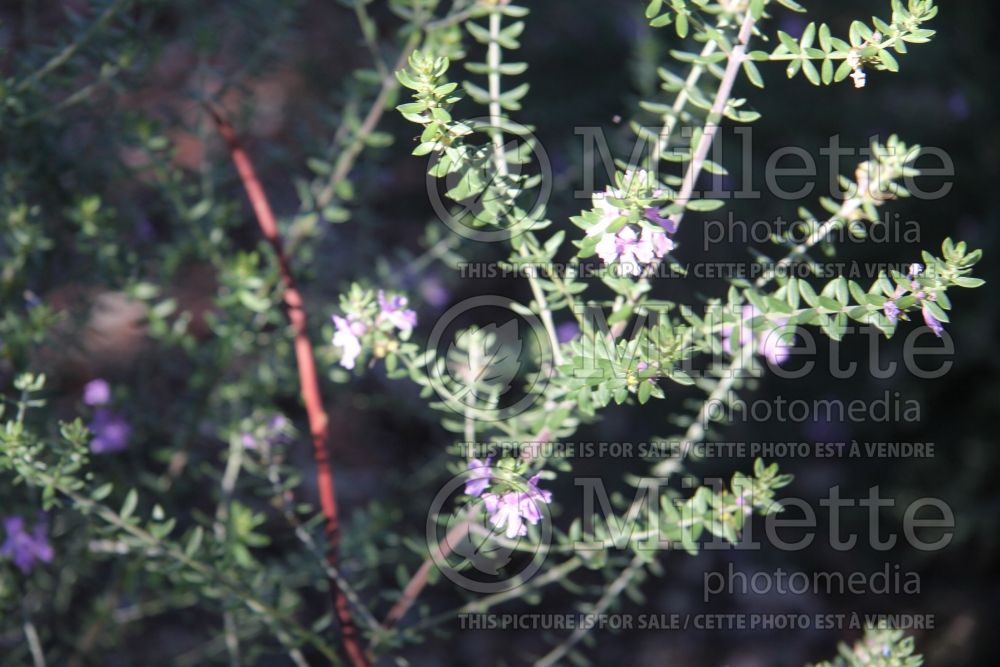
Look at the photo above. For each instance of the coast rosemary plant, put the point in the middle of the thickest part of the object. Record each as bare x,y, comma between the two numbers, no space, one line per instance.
229,529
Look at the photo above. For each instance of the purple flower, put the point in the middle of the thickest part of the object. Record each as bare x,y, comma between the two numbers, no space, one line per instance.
772,342
658,241
567,331
394,310
932,321
111,432
273,433
891,311
434,291
479,477
958,105
632,250
23,547
97,392
516,509
347,337
793,24
607,211
653,215
613,246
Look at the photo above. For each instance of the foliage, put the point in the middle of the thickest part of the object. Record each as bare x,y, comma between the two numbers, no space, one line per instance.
211,513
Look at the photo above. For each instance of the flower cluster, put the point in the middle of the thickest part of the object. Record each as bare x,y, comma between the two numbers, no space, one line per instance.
348,338
378,324
611,226
923,295
110,428
275,430
510,509
773,342
25,548
633,251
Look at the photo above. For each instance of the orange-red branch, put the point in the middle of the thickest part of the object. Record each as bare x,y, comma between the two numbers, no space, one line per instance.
308,379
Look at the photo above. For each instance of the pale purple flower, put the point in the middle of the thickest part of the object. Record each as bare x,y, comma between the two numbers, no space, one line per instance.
668,224
627,249
24,548
772,343
891,311
631,250
611,246
434,292
932,321
658,241
636,180
607,211
273,433
517,509
347,337
479,477
111,432
394,310
97,392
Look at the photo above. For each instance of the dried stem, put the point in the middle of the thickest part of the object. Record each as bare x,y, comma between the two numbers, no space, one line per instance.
419,579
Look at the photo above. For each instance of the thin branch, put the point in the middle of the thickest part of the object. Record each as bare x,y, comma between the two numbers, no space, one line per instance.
345,161
733,65
419,580
234,464
308,378
71,49
34,644
493,61
610,595
282,498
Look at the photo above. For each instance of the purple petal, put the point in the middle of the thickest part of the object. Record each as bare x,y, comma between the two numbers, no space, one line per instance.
653,215
97,392
932,321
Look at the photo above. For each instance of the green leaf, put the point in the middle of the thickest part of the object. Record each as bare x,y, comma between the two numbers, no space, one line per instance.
753,74
704,205
128,507
811,72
